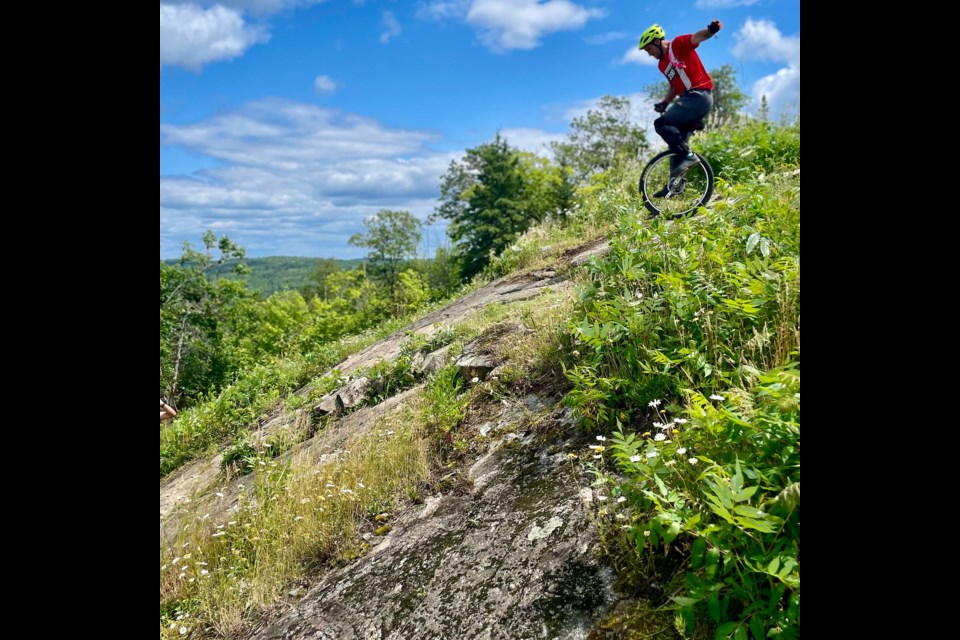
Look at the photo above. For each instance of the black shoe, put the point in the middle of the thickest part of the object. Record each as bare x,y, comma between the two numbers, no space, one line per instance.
684,164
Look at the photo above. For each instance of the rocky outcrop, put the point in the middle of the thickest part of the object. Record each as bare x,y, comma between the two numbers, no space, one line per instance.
512,558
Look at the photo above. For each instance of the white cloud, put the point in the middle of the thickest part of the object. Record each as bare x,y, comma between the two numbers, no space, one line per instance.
295,178
252,7
391,27
604,38
191,37
782,90
287,135
442,10
637,56
520,24
533,140
724,4
324,84
511,24
762,40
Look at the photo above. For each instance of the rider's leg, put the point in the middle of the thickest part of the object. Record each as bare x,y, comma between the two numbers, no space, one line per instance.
672,125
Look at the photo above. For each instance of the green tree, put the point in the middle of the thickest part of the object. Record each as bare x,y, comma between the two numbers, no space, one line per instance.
411,292
604,136
549,190
728,100
271,327
764,113
567,188
440,273
195,355
316,284
355,304
486,199
393,238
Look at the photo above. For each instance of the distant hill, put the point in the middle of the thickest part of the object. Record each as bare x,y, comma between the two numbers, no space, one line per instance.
276,273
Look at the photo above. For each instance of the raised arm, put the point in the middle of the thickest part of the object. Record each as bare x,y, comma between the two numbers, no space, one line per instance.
166,411
706,34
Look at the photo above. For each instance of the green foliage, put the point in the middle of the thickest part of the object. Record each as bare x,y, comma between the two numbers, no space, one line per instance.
445,406
270,327
316,280
742,152
688,304
492,196
602,138
228,412
549,188
726,483
194,320
686,346
241,456
390,377
763,113
225,415
410,292
729,101
392,237
271,274
441,275
356,303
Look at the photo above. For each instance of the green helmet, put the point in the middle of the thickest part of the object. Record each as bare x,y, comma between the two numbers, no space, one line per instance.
655,32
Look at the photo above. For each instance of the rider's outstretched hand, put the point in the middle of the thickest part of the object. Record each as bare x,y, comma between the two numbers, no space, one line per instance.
715,26
660,107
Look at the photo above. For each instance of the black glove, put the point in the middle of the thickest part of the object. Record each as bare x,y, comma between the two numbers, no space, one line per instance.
660,107
714,26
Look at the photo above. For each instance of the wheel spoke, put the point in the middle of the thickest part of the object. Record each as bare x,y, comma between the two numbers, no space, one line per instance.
675,196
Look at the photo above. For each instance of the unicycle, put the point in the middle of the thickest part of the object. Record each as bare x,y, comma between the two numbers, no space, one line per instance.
676,196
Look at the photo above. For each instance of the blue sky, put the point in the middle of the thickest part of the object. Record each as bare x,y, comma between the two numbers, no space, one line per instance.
285,123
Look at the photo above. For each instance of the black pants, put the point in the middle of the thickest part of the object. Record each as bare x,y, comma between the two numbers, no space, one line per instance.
685,110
